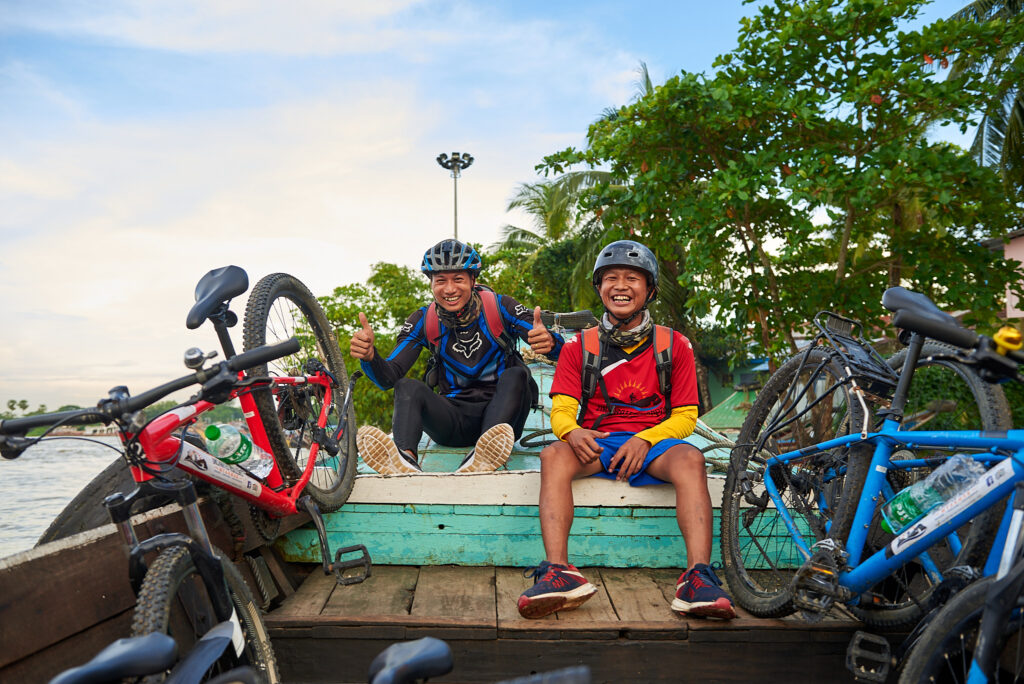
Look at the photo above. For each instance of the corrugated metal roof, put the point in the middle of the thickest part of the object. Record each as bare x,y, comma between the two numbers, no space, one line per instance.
731,413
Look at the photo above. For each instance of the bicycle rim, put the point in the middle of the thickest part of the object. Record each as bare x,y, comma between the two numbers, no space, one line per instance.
173,600
803,403
944,652
281,307
944,395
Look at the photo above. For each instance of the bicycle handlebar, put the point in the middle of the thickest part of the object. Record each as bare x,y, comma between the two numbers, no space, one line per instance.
116,406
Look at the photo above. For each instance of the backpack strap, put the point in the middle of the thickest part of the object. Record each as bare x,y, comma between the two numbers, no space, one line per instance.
591,366
492,316
590,347
663,363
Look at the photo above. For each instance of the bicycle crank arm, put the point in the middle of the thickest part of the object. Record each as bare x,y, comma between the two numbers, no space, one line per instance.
307,504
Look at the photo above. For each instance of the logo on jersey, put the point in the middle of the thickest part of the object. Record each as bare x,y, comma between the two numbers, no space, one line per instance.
520,310
406,327
469,346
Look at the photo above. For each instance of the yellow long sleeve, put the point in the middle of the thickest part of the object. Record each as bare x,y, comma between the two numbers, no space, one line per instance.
679,425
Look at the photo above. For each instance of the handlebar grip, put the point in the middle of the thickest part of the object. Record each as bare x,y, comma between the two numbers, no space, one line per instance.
937,330
261,355
574,320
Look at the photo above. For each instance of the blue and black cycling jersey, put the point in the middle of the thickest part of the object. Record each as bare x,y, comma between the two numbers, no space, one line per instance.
470,358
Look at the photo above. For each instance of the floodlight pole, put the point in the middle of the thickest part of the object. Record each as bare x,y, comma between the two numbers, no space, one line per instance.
455,164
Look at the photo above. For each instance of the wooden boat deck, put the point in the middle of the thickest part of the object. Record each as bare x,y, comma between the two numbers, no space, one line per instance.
326,632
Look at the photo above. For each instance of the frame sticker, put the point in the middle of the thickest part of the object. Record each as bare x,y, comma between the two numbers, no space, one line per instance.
200,462
959,503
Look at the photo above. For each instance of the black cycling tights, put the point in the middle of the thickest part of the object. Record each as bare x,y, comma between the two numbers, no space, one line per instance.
456,423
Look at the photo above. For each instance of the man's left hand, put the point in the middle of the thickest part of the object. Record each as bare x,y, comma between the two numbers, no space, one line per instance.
539,337
629,458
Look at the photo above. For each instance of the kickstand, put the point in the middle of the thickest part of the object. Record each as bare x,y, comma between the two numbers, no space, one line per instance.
308,505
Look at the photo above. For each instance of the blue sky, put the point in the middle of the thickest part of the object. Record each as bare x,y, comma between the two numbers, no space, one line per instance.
143,143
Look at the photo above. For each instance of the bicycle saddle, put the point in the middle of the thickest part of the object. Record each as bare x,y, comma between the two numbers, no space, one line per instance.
917,313
409,661
214,289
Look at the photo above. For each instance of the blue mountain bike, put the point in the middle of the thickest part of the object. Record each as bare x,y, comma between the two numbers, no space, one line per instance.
834,434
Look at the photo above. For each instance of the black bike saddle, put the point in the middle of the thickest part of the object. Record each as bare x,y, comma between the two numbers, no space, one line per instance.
214,289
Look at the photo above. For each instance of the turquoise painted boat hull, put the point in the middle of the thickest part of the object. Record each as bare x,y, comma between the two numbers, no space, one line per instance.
439,518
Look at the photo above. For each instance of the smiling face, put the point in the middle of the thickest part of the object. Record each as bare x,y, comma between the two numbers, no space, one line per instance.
623,291
452,289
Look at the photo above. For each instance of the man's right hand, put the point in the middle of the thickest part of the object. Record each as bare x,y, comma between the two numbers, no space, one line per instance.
361,346
584,444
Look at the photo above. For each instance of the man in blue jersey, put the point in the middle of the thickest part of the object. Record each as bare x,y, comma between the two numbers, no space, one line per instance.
484,390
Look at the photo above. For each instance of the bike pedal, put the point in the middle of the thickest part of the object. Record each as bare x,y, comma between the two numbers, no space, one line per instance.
363,561
868,657
815,586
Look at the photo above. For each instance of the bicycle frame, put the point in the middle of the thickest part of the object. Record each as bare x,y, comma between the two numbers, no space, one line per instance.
161,447
941,522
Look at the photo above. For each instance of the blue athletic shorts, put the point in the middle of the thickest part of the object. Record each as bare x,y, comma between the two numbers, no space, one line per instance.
611,444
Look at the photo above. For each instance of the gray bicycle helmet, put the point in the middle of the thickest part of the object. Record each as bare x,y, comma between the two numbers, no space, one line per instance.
630,254
451,255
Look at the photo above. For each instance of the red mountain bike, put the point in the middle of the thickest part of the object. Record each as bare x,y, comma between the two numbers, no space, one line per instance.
289,382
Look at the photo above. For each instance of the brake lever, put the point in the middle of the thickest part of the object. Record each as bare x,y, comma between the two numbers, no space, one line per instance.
13,446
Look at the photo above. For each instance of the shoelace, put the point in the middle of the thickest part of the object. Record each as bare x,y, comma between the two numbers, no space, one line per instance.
540,572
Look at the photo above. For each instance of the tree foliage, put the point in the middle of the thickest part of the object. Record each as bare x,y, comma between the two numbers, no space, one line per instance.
391,294
799,175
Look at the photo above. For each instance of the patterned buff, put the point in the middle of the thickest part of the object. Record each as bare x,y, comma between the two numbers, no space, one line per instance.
464,316
626,338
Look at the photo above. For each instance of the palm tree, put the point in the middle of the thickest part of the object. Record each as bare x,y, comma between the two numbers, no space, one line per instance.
999,142
553,206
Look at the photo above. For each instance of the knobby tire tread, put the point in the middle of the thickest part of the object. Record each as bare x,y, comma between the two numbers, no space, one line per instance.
759,601
994,413
158,598
939,653
258,310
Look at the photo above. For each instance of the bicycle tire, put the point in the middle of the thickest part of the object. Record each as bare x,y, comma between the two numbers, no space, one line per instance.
278,308
173,600
944,650
901,598
759,556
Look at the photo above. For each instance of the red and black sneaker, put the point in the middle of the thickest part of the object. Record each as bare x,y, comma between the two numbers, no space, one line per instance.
699,593
556,587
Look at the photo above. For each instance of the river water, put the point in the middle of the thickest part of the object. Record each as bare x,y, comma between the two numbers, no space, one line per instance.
37,486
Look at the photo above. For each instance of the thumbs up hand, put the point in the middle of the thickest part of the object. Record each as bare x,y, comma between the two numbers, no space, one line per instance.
361,346
539,337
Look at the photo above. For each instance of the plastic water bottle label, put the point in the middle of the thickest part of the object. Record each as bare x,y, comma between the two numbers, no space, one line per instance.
1002,472
200,462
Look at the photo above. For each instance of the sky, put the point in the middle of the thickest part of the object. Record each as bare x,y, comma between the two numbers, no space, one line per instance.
145,142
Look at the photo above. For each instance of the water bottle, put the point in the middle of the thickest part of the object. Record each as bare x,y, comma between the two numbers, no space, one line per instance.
942,484
231,446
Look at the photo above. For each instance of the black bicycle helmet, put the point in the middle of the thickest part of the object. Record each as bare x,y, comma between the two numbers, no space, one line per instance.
632,255
451,255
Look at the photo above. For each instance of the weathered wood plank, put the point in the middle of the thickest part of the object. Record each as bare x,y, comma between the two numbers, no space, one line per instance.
387,591
637,596
465,594
90,570
595,619
310,598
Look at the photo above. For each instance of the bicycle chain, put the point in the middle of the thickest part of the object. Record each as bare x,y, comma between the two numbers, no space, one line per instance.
267,527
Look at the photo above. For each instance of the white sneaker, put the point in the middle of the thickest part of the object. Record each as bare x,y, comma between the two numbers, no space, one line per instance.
491,452
380,452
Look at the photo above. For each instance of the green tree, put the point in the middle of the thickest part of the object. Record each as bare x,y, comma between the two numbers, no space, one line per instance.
388,298
822,111
999,141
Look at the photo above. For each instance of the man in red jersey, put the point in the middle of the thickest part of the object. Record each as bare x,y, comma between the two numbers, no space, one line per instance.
637,386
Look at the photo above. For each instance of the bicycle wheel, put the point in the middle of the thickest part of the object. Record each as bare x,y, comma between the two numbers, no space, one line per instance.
944,395
944,651
174,600
280,307
758,553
